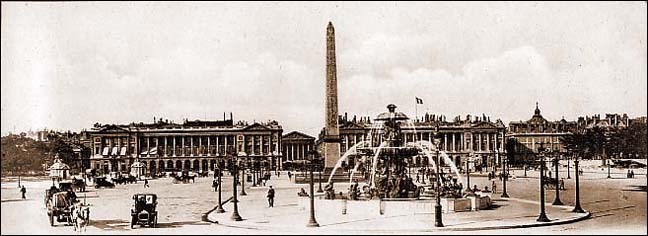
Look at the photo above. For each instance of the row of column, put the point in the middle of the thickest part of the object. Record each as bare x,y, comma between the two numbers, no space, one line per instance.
221,147
297,151
258,144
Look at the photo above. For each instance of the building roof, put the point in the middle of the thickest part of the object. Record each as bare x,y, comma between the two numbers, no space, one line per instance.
297,135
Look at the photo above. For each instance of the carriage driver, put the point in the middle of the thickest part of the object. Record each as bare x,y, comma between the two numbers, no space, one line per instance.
71,196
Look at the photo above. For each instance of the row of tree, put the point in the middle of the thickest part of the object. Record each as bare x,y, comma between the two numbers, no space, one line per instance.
629,142
22,155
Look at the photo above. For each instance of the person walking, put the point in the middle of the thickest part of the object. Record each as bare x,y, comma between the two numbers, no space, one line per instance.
23,191
562,184
146,185
271,195
494,187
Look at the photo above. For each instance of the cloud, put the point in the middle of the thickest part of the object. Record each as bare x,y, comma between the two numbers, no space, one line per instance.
68,65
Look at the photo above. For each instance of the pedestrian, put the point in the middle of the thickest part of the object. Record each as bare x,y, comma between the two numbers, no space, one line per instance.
271,195
146,185
632,174
417,178
23,190
215,185
562,184
289,175
494,187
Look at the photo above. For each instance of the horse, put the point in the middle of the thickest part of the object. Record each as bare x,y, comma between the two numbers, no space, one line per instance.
80,217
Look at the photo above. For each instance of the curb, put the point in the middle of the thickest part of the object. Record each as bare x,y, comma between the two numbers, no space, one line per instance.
205,215
559,222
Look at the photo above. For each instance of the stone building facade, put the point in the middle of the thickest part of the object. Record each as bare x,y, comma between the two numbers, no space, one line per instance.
476,139
296,145
193,145
527,136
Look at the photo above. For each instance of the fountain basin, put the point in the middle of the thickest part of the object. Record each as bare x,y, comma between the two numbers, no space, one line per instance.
396,206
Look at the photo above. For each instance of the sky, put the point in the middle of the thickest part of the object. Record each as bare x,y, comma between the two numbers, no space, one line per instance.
68,65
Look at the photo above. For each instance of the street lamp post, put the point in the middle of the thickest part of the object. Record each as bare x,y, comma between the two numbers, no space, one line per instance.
557,199
312,222
254,180
505,162
468,189
219,208
438,221
319,190
607,161
243,193
235,214
577,208
568,173
543,216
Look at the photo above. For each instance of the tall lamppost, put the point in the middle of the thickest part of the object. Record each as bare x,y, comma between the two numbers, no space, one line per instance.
235,214
312,222
557,199
543,216
319,169
219,208
568,172
254,164
470,159
505,171
577,208
607,161
244,164
438,221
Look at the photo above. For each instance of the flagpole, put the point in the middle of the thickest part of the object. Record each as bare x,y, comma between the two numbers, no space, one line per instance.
416,110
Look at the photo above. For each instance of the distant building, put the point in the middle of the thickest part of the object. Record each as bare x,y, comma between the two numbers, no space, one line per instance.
193,145
526,136
611,121
296,145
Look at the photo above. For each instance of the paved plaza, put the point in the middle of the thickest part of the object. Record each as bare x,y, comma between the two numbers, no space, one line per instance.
182,208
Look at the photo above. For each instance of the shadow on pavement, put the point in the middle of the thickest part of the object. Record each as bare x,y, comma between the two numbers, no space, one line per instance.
16,200
637,188
110,224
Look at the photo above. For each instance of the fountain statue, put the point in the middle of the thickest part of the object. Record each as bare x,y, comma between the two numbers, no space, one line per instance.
386,159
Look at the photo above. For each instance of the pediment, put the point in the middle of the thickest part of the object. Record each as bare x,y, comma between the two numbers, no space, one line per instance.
112,129
484,125
297,135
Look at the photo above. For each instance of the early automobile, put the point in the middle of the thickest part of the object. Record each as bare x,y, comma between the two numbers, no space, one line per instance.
144,210
59,208
102,182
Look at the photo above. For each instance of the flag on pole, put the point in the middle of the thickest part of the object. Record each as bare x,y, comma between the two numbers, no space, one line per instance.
419,101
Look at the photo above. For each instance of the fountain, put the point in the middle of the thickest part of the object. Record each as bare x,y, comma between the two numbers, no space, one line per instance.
387,159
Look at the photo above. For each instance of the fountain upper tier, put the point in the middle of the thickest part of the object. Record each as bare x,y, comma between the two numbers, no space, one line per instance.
392,114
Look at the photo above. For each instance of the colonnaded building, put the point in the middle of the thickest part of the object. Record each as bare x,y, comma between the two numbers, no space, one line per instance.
193,145
475,139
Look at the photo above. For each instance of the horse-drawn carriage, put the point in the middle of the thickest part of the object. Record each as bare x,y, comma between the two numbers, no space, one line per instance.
184,177
549,182
130,179
144,210
102,182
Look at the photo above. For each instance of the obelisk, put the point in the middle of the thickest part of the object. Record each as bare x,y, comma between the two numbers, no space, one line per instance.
331,131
